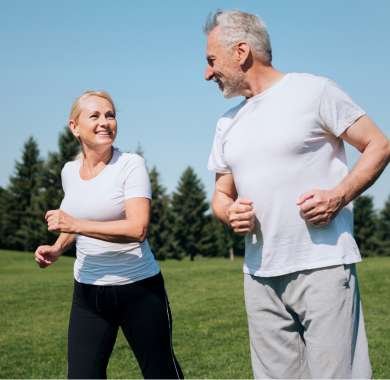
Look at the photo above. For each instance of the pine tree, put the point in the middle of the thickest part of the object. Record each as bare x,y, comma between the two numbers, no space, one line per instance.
20,219
189,208
218,241
384,229
365,225
159,237
3,201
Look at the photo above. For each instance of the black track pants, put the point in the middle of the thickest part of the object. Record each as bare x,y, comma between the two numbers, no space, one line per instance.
141,309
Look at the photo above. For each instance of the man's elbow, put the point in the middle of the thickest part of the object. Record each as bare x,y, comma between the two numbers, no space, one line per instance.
387,151
384,148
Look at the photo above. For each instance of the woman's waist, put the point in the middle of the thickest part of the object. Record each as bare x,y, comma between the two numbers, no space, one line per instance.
95,247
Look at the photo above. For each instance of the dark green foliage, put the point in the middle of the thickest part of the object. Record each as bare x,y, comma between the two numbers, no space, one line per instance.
19,214
366,225
217,238
384,229
238,243
33,189
160,236
3,201
189,207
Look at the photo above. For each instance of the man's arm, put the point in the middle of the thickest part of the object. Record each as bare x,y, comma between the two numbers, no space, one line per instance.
131,229
236,213
320,206
365,136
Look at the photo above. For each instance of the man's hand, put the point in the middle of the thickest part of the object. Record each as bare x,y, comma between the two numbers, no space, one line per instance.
319,207
241,216
60,221
46,255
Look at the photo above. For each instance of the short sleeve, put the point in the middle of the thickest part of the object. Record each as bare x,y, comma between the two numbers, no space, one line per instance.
217,161
64,182
337,110
136,179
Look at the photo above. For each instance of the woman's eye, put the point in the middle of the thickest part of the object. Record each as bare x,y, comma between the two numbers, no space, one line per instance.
94,116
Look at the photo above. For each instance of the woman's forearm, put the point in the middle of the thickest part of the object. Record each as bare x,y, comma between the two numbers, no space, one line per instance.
64,241
116,231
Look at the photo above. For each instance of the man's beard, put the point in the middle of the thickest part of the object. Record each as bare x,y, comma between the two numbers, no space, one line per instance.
231,86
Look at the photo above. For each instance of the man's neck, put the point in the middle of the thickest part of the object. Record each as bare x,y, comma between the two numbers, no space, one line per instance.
260,78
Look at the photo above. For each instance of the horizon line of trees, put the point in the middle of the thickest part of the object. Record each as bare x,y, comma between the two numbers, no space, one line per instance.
181,223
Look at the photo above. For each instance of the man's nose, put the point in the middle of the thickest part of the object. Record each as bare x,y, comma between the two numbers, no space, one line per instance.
209,73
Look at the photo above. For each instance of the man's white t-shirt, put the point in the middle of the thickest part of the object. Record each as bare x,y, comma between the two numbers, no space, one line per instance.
102,198
278,145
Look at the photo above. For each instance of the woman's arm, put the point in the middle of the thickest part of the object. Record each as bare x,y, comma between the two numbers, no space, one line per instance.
131,229
46,255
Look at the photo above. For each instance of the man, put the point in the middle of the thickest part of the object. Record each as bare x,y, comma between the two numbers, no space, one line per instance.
282,180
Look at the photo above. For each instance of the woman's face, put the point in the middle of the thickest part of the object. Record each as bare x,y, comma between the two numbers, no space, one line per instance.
96,125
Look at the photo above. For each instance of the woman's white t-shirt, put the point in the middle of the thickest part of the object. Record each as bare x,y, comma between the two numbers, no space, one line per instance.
102,198
278,145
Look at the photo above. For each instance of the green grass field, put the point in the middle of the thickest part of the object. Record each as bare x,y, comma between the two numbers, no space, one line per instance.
210,330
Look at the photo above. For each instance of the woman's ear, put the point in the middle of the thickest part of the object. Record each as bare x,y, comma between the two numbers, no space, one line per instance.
74,128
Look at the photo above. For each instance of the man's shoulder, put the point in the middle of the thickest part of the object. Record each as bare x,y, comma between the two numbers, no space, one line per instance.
308,78
231,112
227,118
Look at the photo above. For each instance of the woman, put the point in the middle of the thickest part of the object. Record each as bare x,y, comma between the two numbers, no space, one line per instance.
118,283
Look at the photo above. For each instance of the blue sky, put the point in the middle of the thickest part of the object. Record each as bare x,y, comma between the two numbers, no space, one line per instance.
150,56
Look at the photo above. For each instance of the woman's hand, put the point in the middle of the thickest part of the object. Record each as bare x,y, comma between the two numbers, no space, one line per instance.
46,255
60,221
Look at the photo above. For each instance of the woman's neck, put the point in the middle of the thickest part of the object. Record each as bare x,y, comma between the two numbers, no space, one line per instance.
94,158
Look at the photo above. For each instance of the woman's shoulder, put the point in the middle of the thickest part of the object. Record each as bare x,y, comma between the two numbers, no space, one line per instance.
128,158
71,166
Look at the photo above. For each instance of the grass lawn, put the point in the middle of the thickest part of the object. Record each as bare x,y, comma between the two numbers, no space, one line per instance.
206,296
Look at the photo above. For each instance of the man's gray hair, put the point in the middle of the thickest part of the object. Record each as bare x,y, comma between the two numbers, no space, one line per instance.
239,26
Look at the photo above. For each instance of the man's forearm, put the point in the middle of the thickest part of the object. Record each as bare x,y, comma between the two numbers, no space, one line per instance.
372,162
220,205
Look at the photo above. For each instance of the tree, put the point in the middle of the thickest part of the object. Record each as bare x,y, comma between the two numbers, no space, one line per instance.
160,237
365,225
3,201
384,229
20,218
217,241
189,222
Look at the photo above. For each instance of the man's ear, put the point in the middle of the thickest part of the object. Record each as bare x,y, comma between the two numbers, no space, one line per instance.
74,128
242,51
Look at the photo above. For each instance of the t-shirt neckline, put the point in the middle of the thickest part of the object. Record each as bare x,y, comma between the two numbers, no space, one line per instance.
270,89
114,153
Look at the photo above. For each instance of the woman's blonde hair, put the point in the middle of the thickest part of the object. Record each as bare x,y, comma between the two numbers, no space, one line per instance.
76,106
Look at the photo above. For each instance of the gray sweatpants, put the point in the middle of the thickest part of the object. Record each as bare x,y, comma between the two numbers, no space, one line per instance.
307,324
